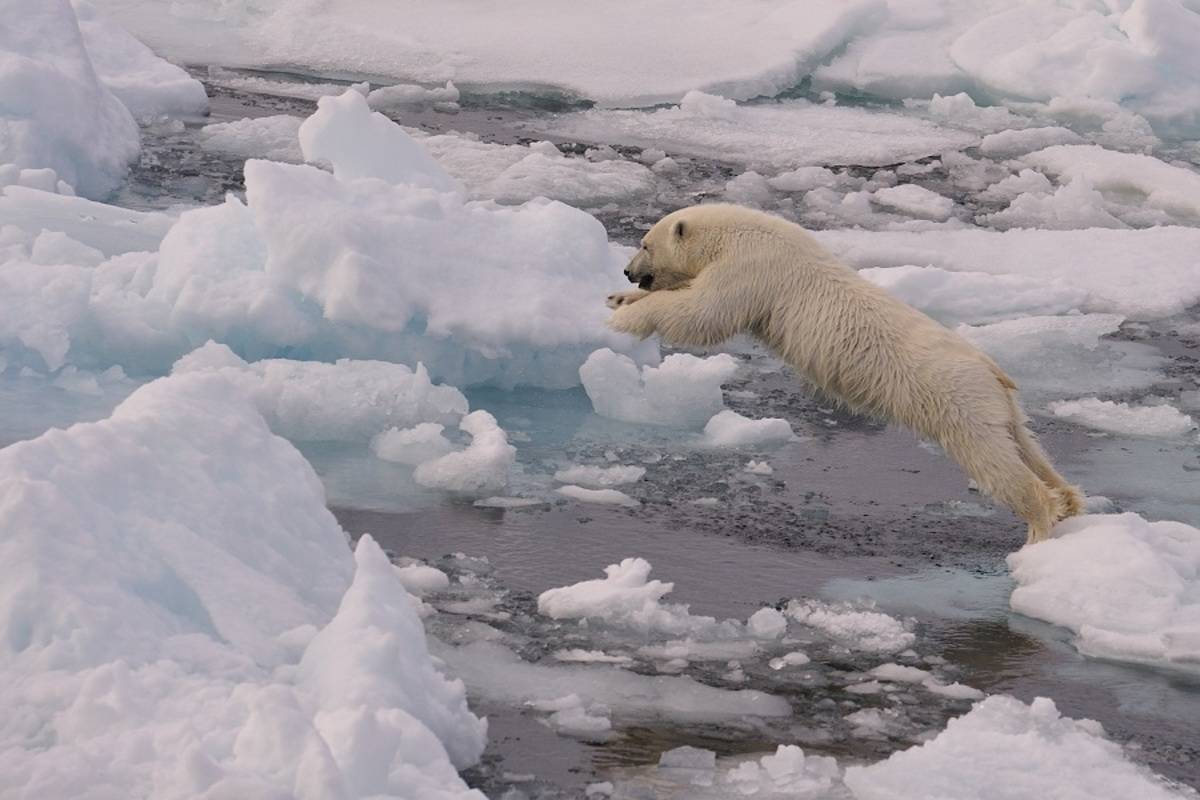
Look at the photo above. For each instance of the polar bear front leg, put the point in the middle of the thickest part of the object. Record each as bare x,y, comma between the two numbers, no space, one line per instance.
682,317
619,299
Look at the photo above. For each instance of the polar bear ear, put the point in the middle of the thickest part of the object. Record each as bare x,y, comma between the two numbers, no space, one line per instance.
678,229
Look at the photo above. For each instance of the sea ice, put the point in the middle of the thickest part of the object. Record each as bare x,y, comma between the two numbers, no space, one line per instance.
683,391
274,137
915,201
855,627
479,470
1127,588
730,429
605,497
412,446
1149,420
594,477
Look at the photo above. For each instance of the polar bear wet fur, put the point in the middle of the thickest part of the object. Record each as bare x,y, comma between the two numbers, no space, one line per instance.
712,271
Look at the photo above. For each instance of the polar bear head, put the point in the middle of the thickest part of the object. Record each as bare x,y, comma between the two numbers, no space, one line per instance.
684,242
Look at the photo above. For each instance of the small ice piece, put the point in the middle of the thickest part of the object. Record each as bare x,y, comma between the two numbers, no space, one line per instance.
730,429
684,391
422,579
1074,205
866,687
481,469
497,501
412,446
856,627
594,477
1156,421
787,772
361,143
955,691
687,764
793,659
576,655
600,789
759,467
900,673
876,722
627,597
273,137
606,497
915,201
573,717
1011,143
408,95
767,623
1028,750
1126,587
805,179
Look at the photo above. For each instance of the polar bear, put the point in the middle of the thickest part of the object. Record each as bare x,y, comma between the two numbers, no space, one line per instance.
708,272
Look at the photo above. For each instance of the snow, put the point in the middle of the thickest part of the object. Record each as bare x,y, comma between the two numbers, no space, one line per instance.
1143,274
1122,418
607,497
479,470
182,615
730,429
86,135
147,85
684,391
1006,749
345,401
772,136
595,477
1129,589
915,201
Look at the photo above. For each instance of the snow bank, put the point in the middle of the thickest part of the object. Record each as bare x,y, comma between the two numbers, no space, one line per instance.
684,391
147,85
1129,589
181,616
479,470
731,429
1004,749
54,110
1143,274
774,136
345,401
1105,415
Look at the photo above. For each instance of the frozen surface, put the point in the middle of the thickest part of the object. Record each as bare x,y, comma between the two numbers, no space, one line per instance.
166,630
85,135
684,391
1152,420
777,136
1127,588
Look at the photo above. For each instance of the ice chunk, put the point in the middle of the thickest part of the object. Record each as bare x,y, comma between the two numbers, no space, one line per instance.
273,137
792,659
759,468
767,623
1004,748
684,391
915,201
1105,415
479,470
147,85
805,179
1144,274
421,579
730,429
595,477
46,70
422,442
1129,589
626,597
408,95
346,401
976,297
361,143
1007,144
787,772
1075,205
770,136
856,627
607,497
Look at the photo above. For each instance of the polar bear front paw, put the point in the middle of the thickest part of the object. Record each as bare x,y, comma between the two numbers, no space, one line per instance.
619,299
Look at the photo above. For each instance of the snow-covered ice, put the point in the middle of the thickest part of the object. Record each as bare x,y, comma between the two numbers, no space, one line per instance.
683,391
1129,589
1148,420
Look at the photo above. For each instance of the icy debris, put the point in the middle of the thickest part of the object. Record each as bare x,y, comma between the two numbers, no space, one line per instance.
856,627
599,789
873,723
1144,274
507,502
607,497
147,85
730,429
109,229
580,656
683,391
1070,207
1129,589
274,137
126,651
361,143
898,673
1007,144
767,623
768,136
758,468
1027,181
571,716
479,470
915,201
345,401
594,477
412,446
422,579
805,179
692,765
1121,418
408,95
788,772
46,70
1005,749
976,297
626,597
792,659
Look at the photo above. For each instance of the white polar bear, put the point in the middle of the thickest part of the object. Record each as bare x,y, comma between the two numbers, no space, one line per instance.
712,271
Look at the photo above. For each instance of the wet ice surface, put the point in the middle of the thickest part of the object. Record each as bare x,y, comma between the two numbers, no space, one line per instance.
851,510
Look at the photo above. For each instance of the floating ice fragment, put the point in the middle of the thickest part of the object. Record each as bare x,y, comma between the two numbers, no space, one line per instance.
1121,418
684,391
479,470
730,429
607,497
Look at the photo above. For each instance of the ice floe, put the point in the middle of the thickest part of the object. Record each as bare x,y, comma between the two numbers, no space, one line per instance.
683,391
